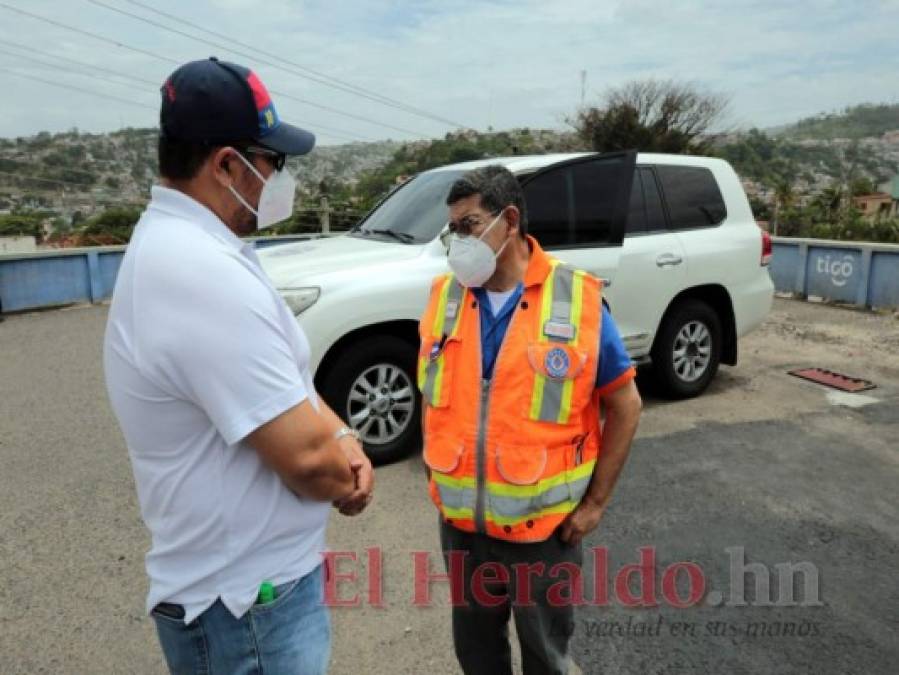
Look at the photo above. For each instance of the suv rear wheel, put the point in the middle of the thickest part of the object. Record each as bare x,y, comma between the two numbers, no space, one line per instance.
372,386
687,349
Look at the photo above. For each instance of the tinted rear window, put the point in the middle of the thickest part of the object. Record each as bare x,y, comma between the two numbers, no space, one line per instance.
692,195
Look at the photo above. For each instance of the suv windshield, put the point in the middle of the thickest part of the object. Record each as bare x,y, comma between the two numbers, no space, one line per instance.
415,212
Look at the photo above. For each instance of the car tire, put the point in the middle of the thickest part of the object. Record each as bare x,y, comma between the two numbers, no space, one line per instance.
372,386
687,349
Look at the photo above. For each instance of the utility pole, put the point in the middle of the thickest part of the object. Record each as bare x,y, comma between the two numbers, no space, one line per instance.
325,215
583,87
490,110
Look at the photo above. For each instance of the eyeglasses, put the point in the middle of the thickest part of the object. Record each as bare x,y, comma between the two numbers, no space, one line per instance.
468,224
277,159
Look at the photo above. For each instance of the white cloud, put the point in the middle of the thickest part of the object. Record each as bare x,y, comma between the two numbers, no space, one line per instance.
503,63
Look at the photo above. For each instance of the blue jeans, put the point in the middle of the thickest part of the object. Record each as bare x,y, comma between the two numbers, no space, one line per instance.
289,636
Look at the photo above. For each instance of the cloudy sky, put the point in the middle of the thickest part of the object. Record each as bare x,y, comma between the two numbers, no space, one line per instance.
474,63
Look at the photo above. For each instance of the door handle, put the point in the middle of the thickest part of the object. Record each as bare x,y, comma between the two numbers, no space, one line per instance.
667,259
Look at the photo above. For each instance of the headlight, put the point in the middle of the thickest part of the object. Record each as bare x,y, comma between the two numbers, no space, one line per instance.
300,299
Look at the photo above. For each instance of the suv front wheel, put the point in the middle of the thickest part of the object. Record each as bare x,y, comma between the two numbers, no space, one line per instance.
687,349
372,386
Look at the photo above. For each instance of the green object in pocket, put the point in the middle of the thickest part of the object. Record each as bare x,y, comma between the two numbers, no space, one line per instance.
266,593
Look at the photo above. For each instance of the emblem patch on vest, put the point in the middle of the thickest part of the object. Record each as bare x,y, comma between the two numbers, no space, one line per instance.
557,363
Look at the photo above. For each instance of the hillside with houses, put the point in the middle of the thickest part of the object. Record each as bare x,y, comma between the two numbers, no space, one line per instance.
62,185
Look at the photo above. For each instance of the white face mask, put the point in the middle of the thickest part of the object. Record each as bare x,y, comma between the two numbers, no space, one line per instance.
471,259
276,199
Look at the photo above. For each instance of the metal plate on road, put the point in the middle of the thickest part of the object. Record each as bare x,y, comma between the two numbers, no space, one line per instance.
832,379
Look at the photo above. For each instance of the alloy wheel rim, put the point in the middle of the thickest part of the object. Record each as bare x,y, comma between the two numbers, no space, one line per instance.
381,403
692,351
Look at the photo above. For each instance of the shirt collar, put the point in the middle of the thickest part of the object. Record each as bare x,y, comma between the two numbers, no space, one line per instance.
507,308
176,203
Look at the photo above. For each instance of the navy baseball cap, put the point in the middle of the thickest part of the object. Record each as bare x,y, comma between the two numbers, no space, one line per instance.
216,102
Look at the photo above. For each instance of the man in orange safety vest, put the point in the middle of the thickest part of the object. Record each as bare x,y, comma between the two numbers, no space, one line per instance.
518,355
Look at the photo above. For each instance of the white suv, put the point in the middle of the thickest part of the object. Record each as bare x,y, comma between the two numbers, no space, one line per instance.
672,236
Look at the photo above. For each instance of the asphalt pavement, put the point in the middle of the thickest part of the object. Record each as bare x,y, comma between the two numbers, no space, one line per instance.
765,476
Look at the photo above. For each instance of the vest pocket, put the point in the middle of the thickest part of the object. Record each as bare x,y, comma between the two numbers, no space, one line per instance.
450,488
443,454
521,465
534,479
436,362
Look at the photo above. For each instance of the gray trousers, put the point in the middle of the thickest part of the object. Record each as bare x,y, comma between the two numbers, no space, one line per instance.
481,633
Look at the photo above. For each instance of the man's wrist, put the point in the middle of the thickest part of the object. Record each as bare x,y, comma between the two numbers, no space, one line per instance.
592,502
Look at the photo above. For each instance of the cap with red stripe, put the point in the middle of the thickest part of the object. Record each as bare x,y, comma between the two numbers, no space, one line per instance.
219,103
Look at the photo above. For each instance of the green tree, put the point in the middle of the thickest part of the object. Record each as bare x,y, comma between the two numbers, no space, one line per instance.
112,226
862,185
651,116
60,226
41,141
20,224
760,208
784,197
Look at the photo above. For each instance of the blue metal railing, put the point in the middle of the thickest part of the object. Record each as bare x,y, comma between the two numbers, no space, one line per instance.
858,273
66,276
862,274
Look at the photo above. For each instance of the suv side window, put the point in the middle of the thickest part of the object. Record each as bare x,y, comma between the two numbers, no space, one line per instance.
573,205
692,195
636,211
655,212
645,213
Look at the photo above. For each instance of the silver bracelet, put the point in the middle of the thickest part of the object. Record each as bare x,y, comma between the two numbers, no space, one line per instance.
346,431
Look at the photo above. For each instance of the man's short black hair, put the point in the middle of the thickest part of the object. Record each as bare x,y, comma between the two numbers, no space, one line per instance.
181,160
498,189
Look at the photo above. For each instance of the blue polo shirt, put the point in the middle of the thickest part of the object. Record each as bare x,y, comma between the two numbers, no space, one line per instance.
614,361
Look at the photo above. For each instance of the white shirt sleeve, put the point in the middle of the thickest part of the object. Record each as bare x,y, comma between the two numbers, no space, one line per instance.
225,348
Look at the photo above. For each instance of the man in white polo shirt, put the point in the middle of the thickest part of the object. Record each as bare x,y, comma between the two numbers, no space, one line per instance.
236,460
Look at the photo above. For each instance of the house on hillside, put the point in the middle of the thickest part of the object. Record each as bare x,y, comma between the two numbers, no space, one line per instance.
876,205
881,204
892,187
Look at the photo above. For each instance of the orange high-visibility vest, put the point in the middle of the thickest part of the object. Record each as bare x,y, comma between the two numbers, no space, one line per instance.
512,456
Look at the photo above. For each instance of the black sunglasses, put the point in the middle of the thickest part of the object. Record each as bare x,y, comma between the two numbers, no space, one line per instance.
277,159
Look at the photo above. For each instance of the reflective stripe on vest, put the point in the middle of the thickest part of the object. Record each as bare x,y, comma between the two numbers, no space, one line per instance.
513,504
446,323
562,303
